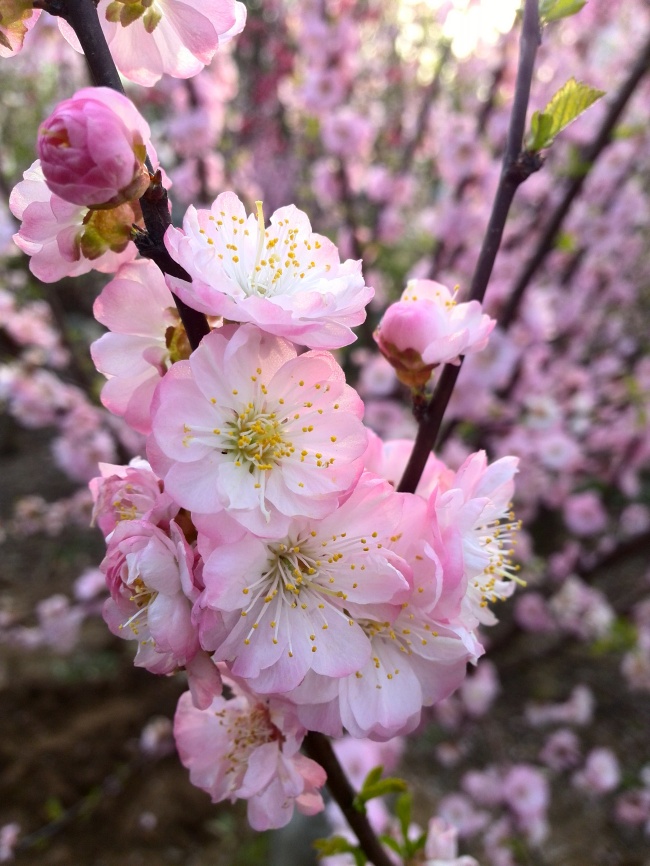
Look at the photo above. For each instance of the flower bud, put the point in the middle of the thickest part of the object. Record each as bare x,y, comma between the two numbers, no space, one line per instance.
427,327
93,147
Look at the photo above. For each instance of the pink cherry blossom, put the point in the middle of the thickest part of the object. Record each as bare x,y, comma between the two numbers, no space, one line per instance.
65,239
526,791
169,37
600,774
149,576
418,657
129,493
427,327
477,510
479,690
389,459
93,147
286,603
561,750
248,748
9,834
584,513
145,337
286,279
441,846
249,426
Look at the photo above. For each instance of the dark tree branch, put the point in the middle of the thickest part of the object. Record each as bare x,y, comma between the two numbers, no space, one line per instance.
319,748
82,16
518,165
574,186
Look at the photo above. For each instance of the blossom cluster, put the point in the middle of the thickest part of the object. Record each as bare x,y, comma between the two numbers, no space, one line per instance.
565,386
262,544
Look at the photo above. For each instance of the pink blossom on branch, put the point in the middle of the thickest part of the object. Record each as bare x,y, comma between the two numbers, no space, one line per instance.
93,149
286,279
248,748
168,37
145,337
475,510
248,426
428,327
129,493
286,603
67,240
149,574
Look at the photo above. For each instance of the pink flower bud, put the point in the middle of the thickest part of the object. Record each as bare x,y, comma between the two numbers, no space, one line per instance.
93,147
427,327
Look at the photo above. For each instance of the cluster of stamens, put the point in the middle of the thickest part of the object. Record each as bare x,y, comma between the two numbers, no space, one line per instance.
245,731
302,574
142,597
280,257
256,438
499,543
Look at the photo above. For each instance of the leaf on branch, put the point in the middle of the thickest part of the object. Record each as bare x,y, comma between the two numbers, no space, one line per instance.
571,100
372,778
339,845
553,10
391,843
390,785
403,808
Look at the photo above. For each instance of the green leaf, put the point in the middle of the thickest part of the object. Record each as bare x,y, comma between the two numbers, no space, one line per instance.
568,103
372,778
378,789
393,844
553,10
403,808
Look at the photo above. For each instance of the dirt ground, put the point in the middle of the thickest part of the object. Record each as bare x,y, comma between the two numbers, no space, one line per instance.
73,776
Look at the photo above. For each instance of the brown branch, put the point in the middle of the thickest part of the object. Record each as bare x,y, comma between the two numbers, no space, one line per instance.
319,748
518,165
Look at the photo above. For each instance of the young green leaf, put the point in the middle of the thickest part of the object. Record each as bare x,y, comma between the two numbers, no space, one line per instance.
403,808
389,785
373,777
393,844
566,105
553,10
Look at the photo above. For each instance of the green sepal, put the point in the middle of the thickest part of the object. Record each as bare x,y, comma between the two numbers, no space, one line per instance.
571,100
553,10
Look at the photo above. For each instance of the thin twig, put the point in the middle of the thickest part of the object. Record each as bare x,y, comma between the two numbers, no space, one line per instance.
589,157
82,16
319,748
518,165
